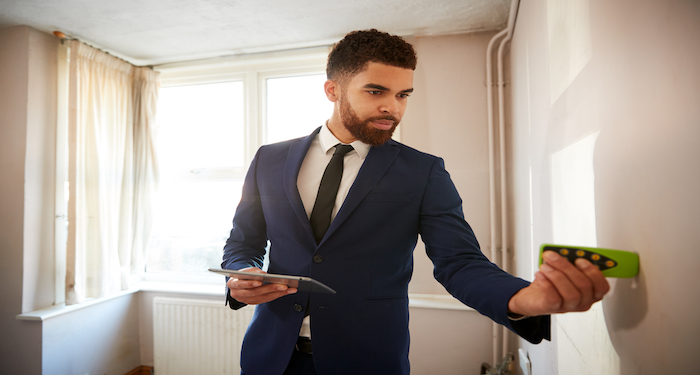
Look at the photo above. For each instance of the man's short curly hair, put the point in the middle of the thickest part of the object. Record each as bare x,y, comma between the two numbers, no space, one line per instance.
350,55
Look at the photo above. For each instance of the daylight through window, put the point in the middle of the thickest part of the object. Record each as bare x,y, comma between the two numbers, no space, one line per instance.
205,139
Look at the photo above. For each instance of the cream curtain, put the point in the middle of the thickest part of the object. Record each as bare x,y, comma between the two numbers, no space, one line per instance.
112,172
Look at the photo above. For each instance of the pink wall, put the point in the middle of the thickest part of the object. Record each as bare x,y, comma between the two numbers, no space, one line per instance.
20,347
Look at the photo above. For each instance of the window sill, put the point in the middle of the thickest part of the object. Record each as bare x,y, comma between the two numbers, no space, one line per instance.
424,301
215,290
60,309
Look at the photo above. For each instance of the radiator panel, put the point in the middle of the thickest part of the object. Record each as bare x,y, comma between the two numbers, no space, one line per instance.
194,336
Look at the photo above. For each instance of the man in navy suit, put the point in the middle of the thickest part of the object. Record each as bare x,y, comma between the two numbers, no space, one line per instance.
389,194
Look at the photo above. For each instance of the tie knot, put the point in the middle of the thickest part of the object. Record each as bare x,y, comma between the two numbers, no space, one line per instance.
341,150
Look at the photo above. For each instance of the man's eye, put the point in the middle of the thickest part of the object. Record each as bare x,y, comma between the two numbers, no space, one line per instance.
404,95
374,92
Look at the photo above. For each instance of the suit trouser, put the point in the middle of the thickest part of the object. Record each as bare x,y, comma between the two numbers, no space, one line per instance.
300,364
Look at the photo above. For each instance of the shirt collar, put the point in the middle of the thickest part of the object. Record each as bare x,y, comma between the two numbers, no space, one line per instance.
327,141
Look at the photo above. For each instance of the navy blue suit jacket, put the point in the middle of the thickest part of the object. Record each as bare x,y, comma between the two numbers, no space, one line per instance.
366,256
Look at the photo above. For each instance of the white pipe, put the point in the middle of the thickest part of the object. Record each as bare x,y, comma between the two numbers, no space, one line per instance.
502,148
501,133
498,338
492,178
492,152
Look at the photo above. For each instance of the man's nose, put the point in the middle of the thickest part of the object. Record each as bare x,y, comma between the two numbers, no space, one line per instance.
390,106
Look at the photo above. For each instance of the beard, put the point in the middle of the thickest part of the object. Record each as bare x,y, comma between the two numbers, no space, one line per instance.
363,130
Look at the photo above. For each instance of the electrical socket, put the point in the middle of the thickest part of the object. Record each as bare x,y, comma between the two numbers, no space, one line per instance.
525,365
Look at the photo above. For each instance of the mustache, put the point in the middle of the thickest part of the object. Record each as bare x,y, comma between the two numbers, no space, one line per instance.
387,117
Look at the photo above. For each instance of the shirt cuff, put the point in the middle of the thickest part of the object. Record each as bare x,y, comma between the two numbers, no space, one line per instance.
515,317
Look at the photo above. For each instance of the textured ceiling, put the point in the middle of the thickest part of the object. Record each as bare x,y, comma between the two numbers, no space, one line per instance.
160,31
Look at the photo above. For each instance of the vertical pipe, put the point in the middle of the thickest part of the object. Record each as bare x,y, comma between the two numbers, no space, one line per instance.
502,147
492,177
503,185
492,152
498,350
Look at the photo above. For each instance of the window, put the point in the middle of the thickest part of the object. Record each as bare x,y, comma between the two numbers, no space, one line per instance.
295,106
211,120
200,149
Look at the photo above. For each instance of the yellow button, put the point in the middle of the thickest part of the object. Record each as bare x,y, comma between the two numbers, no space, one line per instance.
564,252
610,263
595,257
580,253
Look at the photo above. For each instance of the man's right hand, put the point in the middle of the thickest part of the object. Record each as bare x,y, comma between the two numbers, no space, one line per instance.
254,292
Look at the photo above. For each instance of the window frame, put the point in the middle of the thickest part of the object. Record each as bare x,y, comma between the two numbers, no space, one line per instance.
253,71
262,86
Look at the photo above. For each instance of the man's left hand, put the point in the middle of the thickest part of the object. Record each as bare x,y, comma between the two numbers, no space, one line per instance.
560,287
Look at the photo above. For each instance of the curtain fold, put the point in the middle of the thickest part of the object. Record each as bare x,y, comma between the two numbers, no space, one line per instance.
112,172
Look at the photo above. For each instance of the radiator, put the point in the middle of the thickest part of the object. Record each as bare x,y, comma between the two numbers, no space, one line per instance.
194,336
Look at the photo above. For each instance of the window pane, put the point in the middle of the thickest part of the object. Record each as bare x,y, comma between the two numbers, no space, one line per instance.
201,126
200,140
192,224
295,106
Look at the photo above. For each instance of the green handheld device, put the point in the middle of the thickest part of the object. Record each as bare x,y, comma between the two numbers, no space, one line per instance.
613,263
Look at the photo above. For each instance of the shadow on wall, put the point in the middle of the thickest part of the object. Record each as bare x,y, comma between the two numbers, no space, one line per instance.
647,202
625,306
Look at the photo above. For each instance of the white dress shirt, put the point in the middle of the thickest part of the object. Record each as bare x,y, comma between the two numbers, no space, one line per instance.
310,174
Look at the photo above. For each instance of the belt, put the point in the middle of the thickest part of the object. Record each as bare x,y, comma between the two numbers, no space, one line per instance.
304,345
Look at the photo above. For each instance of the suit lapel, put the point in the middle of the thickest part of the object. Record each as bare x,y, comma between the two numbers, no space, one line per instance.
375,166
295,157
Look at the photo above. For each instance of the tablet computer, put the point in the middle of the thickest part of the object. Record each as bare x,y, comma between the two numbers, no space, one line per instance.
304,284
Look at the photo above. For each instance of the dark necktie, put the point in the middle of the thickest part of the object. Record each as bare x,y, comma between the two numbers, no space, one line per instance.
327,192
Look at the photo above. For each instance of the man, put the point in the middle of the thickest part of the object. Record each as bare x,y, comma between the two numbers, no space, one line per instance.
387,196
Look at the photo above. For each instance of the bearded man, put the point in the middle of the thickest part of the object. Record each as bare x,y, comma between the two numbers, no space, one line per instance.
361,242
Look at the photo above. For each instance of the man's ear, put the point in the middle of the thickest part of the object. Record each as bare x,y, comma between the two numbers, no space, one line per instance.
332,89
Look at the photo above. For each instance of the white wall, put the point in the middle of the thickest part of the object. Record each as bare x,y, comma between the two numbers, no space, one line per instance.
100,339
606,152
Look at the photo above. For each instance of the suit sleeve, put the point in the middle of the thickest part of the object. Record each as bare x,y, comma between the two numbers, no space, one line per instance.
459,264
246,244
